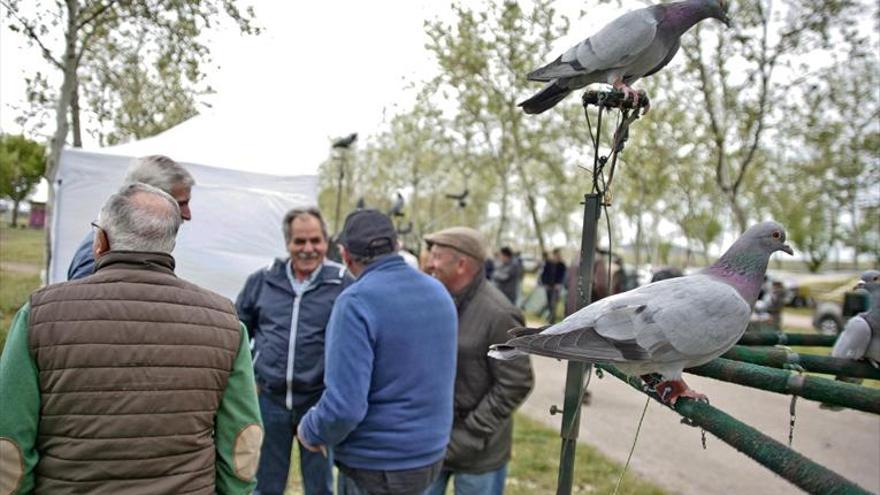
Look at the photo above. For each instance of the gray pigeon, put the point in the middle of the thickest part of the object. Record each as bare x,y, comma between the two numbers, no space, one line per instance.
666,326
635,45
861,336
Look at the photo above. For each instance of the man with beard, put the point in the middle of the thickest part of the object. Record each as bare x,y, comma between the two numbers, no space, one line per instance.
286,308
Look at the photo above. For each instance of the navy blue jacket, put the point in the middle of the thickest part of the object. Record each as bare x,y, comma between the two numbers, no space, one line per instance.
391,347
83,262
292,373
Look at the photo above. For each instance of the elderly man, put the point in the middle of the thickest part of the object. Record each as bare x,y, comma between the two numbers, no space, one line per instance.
131,380
487,391
387,409
156,170
286,308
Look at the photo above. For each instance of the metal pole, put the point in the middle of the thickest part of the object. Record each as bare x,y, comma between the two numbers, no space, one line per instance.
779,338
339,193
574,381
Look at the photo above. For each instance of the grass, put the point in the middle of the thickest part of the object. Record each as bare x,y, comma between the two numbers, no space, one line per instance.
21,257
535,464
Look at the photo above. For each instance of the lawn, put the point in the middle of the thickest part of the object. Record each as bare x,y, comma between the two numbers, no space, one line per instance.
21,258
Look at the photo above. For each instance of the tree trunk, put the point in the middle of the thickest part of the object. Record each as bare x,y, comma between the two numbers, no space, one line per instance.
15,205
638,243
68,85
739,214
74,116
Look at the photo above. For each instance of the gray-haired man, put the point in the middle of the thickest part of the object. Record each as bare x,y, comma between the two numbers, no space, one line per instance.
156,170
130,380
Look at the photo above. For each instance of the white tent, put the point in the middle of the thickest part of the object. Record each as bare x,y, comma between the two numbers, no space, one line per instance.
246,179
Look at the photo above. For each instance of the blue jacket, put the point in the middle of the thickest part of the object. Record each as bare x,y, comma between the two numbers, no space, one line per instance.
291,373
83,262
391,352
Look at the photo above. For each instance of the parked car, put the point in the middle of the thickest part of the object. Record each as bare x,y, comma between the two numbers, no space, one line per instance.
836,307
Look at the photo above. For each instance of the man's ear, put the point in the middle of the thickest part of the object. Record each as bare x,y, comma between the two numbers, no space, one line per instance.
101,244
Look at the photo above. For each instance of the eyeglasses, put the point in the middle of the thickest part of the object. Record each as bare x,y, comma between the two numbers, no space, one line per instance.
95,225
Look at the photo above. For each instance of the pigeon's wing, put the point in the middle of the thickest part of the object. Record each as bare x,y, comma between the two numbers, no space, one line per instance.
669,56
687,318
616,45
853,341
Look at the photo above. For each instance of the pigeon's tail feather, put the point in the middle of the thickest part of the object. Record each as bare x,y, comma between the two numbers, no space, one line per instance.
545,99
520,331
541,73
583,344
504,352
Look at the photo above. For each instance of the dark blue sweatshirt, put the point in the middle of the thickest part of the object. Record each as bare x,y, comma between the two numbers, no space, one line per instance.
390,371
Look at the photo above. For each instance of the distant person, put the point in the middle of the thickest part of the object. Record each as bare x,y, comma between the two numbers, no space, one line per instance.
286,307
130,380
156,170
552,279
506,276
487,391
386,412
600,281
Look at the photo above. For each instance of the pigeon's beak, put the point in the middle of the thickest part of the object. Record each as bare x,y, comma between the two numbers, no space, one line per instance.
786,248
859,285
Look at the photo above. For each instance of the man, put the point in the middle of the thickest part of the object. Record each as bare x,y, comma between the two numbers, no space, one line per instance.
156,170
507,275
552,278
285,308
487,391
387,408
131,380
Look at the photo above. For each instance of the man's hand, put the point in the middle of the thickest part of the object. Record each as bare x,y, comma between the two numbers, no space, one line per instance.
311,448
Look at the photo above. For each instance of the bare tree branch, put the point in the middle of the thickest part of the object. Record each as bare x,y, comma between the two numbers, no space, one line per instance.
32,34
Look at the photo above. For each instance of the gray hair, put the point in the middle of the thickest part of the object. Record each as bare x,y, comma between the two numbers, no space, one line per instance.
298,212
140,217
159,171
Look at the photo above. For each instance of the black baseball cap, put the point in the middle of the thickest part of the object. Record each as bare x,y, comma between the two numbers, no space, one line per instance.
368,233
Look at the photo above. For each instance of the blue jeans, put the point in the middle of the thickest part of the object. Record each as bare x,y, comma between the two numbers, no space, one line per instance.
489,483
280,427
354,481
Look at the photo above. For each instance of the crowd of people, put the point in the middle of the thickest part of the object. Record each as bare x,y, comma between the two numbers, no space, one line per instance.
128,379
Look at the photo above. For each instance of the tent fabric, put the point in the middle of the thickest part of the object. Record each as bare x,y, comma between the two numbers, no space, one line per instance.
237,214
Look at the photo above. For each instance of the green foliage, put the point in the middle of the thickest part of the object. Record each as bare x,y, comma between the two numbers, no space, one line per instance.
22,163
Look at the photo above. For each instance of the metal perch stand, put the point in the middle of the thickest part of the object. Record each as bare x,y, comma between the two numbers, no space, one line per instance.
598,197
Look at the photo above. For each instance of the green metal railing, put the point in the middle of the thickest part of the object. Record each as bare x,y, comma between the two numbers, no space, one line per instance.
780,358
794,467
779,338
791,383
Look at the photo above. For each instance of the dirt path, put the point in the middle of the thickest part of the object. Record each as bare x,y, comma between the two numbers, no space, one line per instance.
669,453
18,267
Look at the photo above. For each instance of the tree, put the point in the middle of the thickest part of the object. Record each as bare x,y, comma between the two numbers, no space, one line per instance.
738,111
482,57
22,163
97,34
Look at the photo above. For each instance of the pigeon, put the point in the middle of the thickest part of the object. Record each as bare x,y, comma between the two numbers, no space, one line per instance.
345,142
860,338
396,207
635,45
461,197
663,327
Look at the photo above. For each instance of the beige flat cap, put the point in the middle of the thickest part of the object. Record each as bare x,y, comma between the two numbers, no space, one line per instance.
462,239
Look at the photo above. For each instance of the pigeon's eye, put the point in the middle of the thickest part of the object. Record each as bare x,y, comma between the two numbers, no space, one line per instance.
776,234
